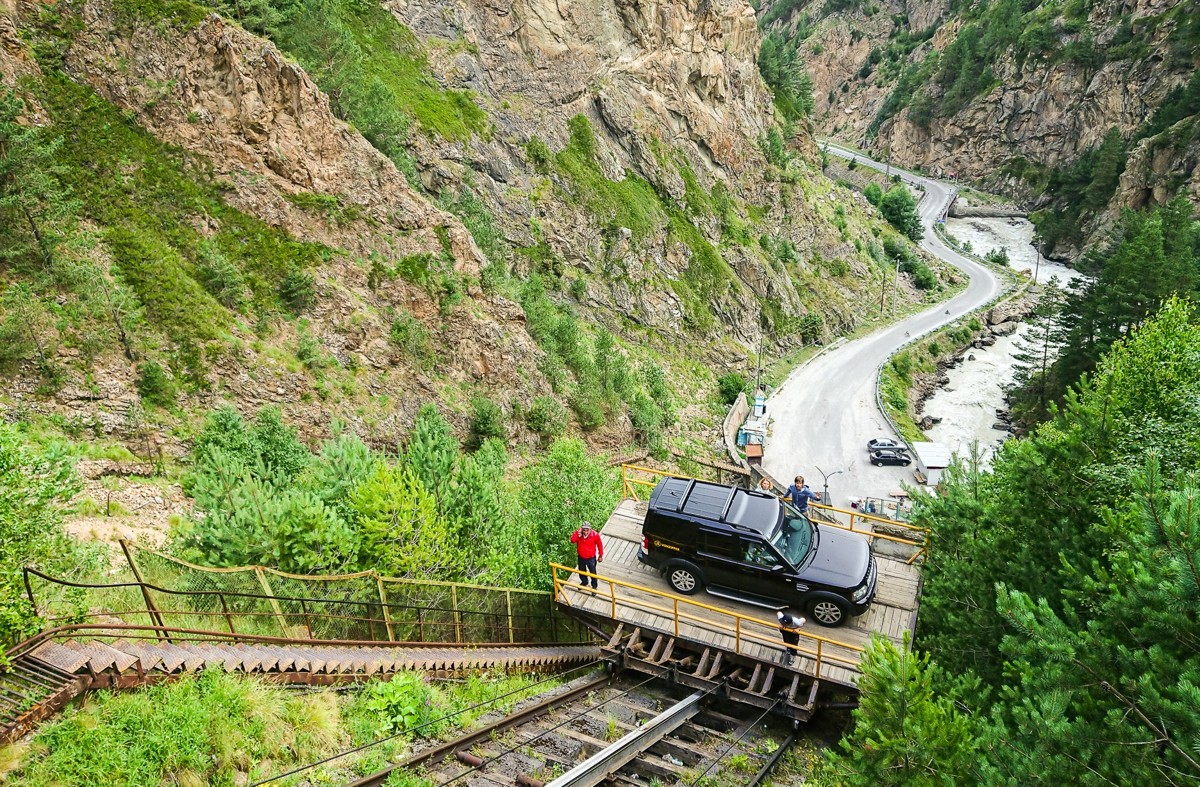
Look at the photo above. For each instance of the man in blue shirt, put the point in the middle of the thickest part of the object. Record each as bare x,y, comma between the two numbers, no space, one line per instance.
798,494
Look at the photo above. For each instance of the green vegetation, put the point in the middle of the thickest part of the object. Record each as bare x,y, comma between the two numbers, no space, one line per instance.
221,729
34,486
782,69
372,67
730,385
900,209
168,283
1152,255
593,372
1055,627
633,203
263,498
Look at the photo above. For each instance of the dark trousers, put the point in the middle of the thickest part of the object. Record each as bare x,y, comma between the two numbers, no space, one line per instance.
587,564
791,639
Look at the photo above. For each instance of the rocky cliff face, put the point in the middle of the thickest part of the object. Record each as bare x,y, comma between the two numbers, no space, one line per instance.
664,84
722,244
1047,107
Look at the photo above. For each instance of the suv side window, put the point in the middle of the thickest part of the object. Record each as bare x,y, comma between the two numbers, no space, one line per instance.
759,554
719,544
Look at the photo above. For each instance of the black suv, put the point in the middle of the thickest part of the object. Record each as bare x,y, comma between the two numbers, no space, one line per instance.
753,547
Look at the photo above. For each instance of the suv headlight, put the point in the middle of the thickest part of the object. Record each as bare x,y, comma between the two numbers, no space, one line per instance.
861,593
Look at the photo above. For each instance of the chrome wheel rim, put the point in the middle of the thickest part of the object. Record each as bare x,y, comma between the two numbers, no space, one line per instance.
827,612
682,580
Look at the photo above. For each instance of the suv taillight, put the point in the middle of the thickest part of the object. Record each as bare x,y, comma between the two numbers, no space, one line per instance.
646,544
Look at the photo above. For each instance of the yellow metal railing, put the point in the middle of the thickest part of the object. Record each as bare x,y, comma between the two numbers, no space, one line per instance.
629,482
684,610
857,517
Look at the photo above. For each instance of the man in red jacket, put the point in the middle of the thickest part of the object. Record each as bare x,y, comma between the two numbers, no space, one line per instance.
591,551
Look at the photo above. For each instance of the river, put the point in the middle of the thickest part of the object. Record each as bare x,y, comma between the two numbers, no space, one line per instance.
967,404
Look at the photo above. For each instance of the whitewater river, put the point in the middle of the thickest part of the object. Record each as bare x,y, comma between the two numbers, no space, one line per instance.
967,404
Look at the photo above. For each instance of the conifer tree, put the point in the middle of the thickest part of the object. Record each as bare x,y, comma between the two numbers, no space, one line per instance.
35,205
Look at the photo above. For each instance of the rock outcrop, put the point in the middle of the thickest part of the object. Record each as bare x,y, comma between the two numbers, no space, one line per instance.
1044,111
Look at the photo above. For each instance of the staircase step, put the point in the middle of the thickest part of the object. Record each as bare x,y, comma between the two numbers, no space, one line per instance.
101,657
66,659
149,656
173,657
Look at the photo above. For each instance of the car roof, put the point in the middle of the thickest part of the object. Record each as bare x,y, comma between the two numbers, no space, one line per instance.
739,508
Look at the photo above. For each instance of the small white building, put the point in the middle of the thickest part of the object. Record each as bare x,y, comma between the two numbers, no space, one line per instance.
932,459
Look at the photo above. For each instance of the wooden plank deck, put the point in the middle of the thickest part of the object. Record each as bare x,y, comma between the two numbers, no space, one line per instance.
892,614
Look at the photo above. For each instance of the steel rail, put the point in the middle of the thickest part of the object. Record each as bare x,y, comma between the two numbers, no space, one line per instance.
596,769
771,762
475,769
483,733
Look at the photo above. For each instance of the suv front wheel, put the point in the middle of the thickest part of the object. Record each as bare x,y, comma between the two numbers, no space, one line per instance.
829,611
684,577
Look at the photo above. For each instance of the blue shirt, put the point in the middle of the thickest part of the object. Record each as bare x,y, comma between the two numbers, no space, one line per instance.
800,497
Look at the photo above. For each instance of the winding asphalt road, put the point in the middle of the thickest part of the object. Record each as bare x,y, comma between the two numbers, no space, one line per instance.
824,413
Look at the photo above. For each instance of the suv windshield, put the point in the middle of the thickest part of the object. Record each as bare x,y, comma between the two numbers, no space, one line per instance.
795,538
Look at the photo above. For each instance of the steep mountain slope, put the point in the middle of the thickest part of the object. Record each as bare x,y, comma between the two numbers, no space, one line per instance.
402,203
1083,107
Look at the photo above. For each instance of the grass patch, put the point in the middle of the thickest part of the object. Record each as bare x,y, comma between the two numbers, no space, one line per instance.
150,197
181,14
393,55
221,729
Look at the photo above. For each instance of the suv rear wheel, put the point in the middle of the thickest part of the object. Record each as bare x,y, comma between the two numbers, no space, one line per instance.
829,611
684,577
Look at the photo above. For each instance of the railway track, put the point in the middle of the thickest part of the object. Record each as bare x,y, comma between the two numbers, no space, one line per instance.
609,730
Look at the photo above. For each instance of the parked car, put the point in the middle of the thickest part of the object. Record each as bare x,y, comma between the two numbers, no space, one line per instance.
880,443
890,456
752,547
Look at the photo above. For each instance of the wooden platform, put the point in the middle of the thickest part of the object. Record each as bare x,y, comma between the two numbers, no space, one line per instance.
893,612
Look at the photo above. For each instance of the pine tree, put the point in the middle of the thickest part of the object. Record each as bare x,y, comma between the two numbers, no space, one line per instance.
36,207
1029,394
906,731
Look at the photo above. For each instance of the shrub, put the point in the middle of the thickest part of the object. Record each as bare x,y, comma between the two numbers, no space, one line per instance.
539,155
588,408
154,385
730,385
298,292
410,337
997,257
546,417
873,193
487,420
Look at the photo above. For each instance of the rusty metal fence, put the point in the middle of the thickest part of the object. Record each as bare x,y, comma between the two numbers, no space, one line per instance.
165,592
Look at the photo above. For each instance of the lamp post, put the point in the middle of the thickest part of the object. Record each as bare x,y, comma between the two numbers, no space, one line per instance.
896,284
825,484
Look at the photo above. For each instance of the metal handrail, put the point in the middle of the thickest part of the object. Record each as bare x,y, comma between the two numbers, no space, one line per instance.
628,484
309,613
737,630
126,630
335,577
920,545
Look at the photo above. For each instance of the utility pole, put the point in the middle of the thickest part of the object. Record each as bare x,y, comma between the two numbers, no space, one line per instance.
758,372
896,284
1038,265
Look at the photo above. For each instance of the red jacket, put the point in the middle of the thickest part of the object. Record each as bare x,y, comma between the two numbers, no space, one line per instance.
588,546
